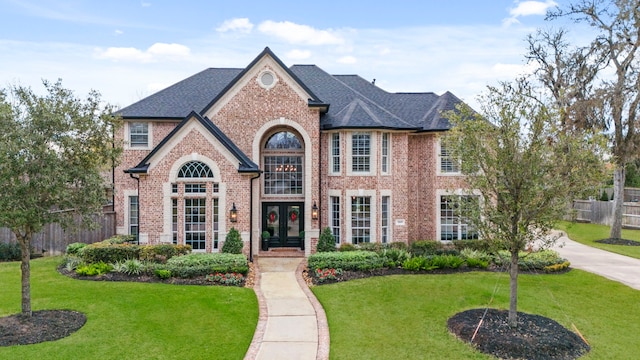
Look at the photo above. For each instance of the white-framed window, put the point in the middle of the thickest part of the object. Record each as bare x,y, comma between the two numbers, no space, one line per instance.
360,219
448,163
361,152
139,135
195,220
335,217
283,165
454,211
385,219
335,153
174,220
215,214
384,154
134,216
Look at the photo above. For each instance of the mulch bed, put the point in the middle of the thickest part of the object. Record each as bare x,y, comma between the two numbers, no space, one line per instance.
623,242
44,325
536,337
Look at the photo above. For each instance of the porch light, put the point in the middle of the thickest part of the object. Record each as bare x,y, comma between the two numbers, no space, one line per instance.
233,213
314,211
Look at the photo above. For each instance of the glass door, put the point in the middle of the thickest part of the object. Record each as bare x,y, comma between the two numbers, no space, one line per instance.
285,223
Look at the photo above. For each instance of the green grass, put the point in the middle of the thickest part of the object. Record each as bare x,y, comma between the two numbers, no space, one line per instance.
133,320
587,234
405,316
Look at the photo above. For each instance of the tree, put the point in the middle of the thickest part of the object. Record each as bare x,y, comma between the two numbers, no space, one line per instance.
523,166
53,150
617,43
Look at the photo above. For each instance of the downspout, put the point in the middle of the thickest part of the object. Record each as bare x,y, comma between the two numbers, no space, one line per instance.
137,208
251,216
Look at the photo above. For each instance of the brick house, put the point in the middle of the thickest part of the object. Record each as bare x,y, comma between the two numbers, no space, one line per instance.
288,150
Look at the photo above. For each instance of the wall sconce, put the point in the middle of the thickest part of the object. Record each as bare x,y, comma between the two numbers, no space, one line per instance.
314,211
233,213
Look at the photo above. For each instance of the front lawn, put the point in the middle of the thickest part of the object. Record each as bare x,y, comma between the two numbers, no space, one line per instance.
405,316
587,234
133,320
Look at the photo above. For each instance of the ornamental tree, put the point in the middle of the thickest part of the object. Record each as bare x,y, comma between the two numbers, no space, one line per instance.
54,149
525,168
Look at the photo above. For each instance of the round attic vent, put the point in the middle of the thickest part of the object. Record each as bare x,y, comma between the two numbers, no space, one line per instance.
267,79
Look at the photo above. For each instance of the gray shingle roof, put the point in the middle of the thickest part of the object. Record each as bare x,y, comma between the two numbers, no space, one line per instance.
353,101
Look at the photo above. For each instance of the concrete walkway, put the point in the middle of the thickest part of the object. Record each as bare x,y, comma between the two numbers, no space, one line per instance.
616,267
292,324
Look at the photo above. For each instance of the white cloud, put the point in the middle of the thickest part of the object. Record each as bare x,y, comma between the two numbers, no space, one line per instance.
145,4
528,8
118,32
156,52
241,25
299,34
347,60
298,54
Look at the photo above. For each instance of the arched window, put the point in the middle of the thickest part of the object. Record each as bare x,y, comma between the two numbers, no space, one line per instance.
195,170
283,140
283,168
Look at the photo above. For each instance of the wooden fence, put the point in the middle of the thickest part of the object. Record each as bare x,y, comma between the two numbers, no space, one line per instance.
53,240
601,212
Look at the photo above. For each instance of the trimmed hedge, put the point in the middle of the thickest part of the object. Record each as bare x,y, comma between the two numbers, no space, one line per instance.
425,247
347,260
480,245
538,260
109,253
163,252
201,264
74,248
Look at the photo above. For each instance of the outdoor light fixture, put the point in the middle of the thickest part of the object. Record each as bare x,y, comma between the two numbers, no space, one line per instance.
233,213
314,211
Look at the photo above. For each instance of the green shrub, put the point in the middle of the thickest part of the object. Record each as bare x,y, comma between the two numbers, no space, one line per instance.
10,252
163,252
109,253
71,262
445,261
74,248
468,253
537,260
326,242
232,243
119,239
425,247
94,269
398,245
477,263
394,257
163,273
349,260
370,246
200,264
347,247
415,263
481,245
129,267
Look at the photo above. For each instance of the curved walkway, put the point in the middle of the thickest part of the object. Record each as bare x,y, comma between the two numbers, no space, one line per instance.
292,323
613,266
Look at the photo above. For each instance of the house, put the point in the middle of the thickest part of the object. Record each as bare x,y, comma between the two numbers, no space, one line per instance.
290,151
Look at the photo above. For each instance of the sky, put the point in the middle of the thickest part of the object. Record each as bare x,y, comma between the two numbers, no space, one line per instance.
128,50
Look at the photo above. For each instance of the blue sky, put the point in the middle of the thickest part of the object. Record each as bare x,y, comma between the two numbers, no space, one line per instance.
130,49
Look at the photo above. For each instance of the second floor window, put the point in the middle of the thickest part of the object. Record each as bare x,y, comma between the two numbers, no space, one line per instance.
139,134
448,163
283,165
384,159
335,152
361,152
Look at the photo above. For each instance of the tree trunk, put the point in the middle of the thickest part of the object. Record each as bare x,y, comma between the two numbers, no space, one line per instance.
25,247
513,293
618,202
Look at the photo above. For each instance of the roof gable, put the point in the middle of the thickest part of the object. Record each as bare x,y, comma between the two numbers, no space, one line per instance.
233,153
265,60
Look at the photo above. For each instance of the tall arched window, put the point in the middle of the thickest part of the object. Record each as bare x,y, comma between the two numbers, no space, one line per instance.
283,174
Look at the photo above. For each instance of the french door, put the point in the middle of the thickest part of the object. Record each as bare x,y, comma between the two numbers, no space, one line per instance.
285,222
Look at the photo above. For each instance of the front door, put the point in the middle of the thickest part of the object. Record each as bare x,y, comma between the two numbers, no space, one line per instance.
285,223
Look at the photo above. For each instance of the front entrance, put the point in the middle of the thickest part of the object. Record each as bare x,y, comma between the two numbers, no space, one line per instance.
285,223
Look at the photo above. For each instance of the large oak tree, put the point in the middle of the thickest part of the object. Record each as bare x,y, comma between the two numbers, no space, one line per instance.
54,149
